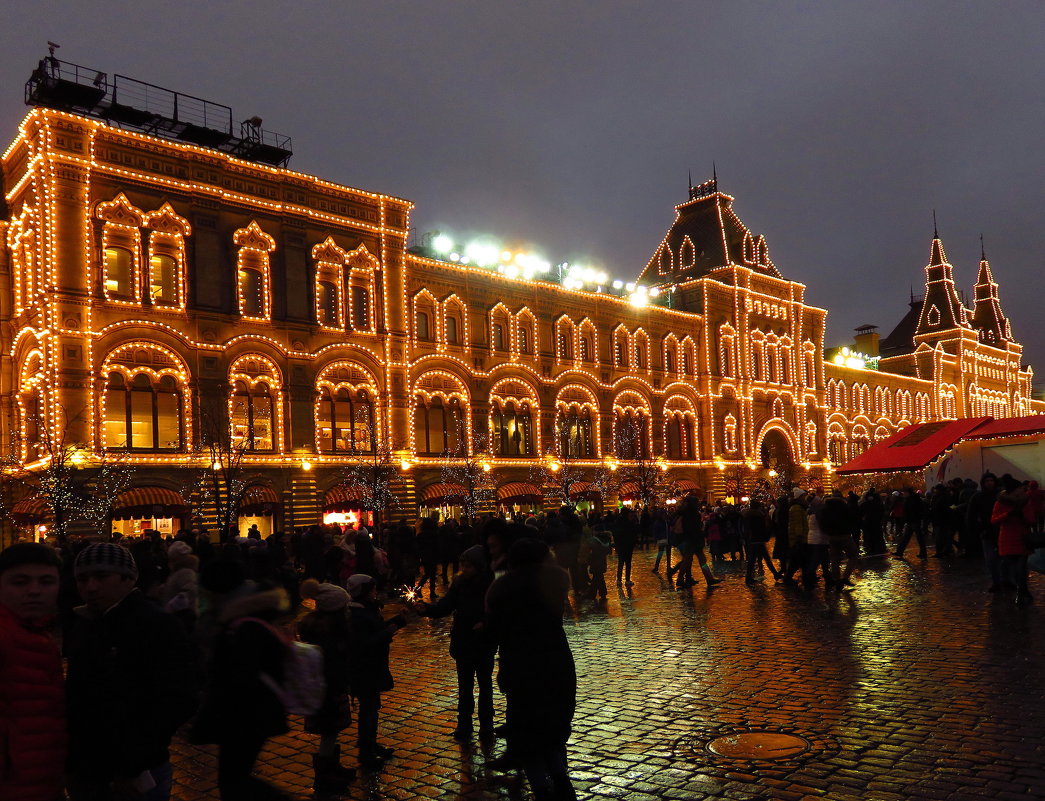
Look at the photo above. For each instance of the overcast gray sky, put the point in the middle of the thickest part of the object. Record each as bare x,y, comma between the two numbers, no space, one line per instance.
838,127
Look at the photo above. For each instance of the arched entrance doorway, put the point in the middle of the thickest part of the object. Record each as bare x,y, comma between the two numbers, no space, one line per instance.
777,462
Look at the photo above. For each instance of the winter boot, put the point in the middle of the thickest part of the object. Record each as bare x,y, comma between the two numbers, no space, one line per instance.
339,770
708,577
325,778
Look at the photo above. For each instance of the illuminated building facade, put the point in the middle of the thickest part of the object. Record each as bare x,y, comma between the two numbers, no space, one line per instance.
151,287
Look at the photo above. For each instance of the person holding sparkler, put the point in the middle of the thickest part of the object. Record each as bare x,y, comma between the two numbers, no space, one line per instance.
471,647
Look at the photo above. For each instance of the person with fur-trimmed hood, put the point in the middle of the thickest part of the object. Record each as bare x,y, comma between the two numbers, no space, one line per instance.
328,628
241,708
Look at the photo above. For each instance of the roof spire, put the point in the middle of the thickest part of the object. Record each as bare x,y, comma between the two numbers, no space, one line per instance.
689,185
936,233
983,252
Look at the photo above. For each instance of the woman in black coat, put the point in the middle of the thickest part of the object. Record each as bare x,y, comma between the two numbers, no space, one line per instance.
537,674
472,649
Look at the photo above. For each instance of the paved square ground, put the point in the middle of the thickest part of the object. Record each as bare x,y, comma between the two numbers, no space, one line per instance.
915,685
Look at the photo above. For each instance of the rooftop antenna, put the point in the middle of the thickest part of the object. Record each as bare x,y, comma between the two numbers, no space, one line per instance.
51,47
912,293
714,175
690,186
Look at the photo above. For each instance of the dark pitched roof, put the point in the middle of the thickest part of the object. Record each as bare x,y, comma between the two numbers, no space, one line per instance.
901,338
705,235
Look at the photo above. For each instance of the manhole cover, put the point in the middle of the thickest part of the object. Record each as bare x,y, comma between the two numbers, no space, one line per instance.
763,745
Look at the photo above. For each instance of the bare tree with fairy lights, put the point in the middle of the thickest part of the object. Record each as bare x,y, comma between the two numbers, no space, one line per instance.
562,475
373,477
646,474
219,479
470,477
77,488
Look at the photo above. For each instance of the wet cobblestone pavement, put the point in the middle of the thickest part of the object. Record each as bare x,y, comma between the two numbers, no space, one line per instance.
915,685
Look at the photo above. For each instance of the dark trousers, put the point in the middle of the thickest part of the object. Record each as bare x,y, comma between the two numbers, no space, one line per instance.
598,585
796,560
366,737
757,552
663,551
909,529
549,775
624,565
818,557
473,670
236,758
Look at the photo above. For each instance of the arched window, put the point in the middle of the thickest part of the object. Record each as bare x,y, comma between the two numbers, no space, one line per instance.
119,273
438,426
729,431
575,432
687,360
421,325
252,269
251,292
524,338
345,419
619,353
512,429
679,437
360,308
144,414
252,413
498,336
31,409
163,272
453,337
640,355
632,440
565,344
327,303
585,349
669,358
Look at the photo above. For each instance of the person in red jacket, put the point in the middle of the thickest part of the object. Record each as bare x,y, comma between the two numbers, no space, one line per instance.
1012,517
32,696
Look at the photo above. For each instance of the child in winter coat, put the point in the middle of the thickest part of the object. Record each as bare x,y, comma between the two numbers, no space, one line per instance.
328,627
369,674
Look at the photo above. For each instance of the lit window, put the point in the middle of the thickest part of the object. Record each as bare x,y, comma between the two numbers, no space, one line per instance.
326,302
118,273
345,419
251,293
252,417
143,415
512,429
163,271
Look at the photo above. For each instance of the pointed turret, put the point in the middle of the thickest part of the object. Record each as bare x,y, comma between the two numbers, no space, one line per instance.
991,324
942,309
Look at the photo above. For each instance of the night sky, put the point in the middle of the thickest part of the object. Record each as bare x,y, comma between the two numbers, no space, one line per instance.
571,126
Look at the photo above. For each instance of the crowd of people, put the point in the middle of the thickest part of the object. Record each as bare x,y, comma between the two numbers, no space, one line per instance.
109,648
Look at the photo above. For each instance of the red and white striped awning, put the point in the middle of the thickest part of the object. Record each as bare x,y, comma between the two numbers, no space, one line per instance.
518,490
443,491
148,496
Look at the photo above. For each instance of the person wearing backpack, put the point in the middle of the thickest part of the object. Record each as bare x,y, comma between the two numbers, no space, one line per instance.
328,628
369,674
242,707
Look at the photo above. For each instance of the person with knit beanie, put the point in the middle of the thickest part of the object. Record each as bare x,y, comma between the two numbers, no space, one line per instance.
473,651
131,682
328,628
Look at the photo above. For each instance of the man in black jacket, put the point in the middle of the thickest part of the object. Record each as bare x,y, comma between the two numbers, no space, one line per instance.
131,683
